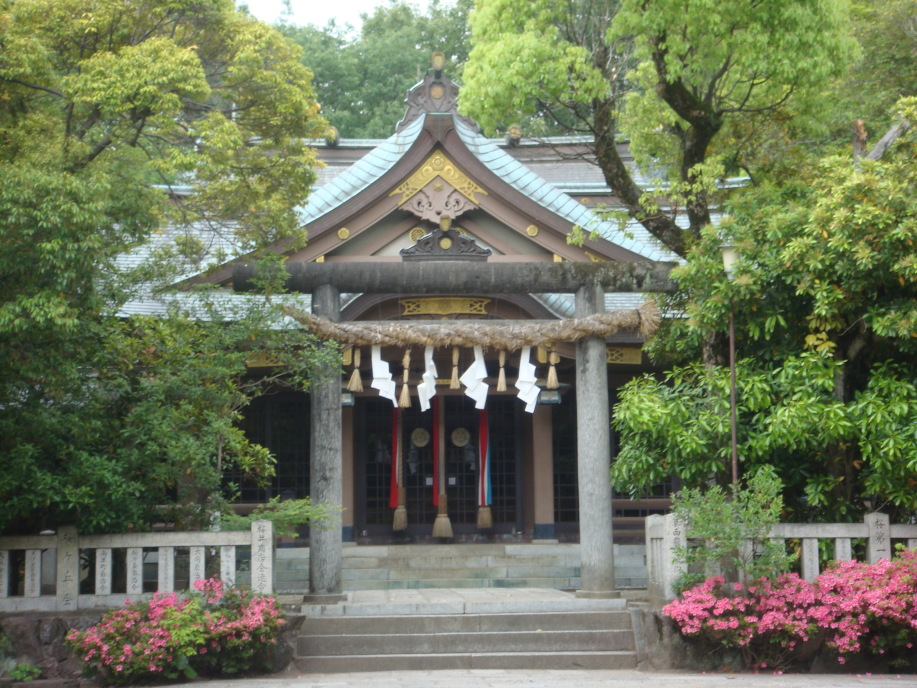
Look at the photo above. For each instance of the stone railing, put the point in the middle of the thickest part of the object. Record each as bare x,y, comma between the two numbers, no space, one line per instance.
664,533
47,572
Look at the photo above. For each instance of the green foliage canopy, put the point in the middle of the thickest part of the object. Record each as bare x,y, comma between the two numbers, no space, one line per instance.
824,300
703,72
361,80
102,104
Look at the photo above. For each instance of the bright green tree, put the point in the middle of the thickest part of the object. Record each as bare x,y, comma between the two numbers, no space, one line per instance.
688,80
102,104
362,80
825,300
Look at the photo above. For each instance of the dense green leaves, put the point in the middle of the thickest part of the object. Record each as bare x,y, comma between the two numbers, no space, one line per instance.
824,299
698,86
361,80
100,101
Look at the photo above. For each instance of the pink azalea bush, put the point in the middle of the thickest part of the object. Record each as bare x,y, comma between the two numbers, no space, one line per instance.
853,607
871,607
211,631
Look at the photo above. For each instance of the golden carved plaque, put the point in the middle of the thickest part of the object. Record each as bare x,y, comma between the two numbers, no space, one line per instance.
445,243
343,233
444,305
532,230
625,355
438,165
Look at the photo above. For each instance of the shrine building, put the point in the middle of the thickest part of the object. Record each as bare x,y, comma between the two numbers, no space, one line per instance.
482,349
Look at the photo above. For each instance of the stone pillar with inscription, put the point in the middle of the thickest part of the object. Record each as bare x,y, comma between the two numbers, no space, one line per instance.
263,557
134,570
326,552
593,455
103,571
68,568
879,544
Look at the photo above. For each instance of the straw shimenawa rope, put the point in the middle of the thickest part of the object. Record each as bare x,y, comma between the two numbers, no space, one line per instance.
509,336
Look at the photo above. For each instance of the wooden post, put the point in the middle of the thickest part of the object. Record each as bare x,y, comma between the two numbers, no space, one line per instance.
326,553
542,474
593,455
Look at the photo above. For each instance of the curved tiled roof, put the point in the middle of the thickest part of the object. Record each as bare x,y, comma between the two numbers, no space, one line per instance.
361,174
633,237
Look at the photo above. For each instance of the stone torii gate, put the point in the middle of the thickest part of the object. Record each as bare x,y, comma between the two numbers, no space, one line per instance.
588,281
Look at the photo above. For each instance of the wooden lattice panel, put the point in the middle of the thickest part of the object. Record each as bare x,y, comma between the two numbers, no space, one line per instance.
446,305
623,355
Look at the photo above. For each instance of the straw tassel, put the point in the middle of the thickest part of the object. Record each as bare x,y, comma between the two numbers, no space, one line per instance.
553,359
501,378
356,381
485,518
454,382
442,526
400,520
405,400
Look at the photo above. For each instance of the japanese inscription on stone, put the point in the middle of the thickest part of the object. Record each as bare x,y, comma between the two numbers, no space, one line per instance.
134,571
228,564
103,571
33,573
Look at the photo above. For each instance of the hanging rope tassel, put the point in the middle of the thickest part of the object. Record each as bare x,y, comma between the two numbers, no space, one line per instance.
501,378
553,359
442,526
405,400
454,382
485,495
400,518
356,381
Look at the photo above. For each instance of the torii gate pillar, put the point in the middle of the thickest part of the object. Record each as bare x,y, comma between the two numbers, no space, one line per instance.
326,551
593,451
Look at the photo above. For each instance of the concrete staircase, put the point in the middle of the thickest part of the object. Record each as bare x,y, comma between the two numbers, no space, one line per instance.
465,629
491,565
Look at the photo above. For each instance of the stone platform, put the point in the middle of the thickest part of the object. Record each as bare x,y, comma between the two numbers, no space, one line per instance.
455,566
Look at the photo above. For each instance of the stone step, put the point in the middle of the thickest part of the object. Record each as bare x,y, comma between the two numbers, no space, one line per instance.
450,605
492,660
502,583
428,629
465,643
467,623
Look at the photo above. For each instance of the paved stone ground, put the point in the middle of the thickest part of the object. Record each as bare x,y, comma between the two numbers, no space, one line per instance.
561,679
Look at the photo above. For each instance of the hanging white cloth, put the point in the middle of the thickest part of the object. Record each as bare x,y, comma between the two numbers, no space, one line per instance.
382,376
526,382
426,390
474,377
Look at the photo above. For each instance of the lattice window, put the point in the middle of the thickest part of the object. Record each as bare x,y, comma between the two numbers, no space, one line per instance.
279,422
